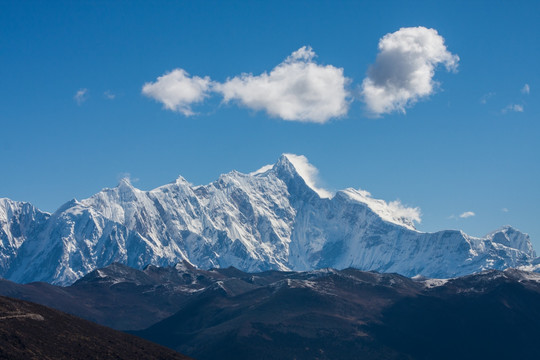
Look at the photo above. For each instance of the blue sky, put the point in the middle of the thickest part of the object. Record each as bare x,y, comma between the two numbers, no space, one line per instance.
468,145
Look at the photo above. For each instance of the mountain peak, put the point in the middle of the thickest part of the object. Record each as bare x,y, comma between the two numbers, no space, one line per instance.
285,163
180,180
512,237
125,183
507,228
291,166
67,205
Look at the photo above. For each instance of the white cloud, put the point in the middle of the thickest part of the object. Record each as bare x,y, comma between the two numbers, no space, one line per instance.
393,211
412,214
526,89
504,210
467,214
309,173
298,89
81,96
177,90
513,107
404,69
109,95
126,176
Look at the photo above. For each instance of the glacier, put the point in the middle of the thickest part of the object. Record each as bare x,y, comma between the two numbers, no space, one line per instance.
274,218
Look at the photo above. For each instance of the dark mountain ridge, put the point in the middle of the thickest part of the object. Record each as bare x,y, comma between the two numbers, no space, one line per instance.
320,314
32,331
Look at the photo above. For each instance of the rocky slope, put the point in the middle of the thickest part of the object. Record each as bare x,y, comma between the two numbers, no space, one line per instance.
31,331
274,218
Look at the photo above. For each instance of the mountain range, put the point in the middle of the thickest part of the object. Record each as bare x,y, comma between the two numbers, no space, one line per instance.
351,314
272,219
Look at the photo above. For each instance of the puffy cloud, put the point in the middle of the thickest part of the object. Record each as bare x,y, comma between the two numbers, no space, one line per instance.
467,214
298,89
526,89
81,96
404,69
513,107
309,173
177,90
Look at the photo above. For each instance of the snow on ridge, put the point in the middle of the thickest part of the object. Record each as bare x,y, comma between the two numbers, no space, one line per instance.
6,202
393,211
431,283
262,170
533,269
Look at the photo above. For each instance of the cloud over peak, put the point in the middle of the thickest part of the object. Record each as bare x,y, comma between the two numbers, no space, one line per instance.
404,69
309,173
467,214
178,91
393,211
298,89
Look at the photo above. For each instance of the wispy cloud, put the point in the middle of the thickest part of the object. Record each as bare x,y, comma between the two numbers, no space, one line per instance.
513,108
505,210
109,95
467,214
404,69
127,177
411,214
484,99
526,89
393,211
309,173
81,96
298,89
177,90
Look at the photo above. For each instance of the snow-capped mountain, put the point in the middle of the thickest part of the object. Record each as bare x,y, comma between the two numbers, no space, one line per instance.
19,221
273,218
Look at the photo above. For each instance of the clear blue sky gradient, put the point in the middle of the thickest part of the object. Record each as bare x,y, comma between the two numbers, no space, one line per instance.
447,155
